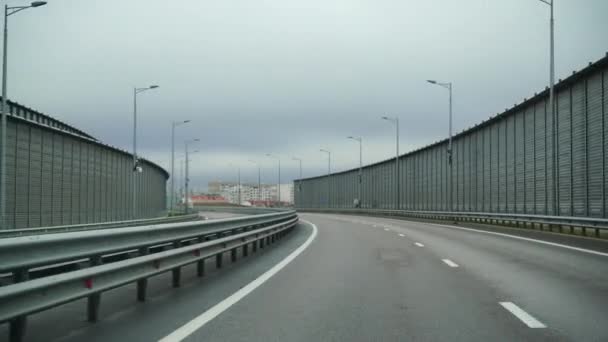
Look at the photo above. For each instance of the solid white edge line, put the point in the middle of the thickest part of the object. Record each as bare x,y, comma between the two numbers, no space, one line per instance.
450,262
204,318
419,244
554,244
523,316
590,251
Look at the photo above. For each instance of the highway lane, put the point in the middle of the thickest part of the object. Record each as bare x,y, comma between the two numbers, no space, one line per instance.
395,281
364,279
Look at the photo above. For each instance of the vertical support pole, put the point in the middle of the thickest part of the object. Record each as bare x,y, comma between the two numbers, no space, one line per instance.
18,325
176,272
218,260
94,300
142,284
233,255
200,265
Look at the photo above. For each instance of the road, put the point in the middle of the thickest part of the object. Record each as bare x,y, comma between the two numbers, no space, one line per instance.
370,279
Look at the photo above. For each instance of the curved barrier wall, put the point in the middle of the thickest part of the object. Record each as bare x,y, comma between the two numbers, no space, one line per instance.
58,175
504,164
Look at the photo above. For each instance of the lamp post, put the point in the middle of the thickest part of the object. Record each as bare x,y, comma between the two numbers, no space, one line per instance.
8,11
552,100
360,140
448,86
395,121
328,175
136,168
173,125
278,185
259,179
299,160
187,172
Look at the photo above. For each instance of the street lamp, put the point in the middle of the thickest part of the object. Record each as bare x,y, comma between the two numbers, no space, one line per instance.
299,160
395,121
187,175
328,175
136,167
360,140
552,101
259,179
173,125
278,185
8,11
448,86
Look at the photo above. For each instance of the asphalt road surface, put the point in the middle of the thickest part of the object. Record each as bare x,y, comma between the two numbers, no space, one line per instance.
368,279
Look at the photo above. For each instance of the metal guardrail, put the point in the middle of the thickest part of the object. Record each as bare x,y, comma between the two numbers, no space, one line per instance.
91,226
192,242
240,210
519,220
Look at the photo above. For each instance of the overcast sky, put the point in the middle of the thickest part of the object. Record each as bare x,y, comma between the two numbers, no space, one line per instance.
289,76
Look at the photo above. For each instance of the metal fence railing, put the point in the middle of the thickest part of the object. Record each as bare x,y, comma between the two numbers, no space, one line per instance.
92,226
146,251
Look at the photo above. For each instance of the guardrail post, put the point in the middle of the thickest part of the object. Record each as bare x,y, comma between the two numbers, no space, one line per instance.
218,260
142,284
94,300
176,272
18,324
262,241
233,254
200,265
254,246
245,248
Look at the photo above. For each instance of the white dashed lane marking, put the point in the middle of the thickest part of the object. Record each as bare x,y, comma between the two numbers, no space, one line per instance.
450,263
523,316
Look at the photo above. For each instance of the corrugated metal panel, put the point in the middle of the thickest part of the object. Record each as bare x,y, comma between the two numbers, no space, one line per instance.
605,116
10,174
466,170
35,177
564,124
502,165
76,190
66,195
579,151
595,142
541,141
510,163
22,176
46,197
520,175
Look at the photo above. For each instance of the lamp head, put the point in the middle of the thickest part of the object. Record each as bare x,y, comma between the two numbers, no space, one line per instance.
432,81
37,3
154,86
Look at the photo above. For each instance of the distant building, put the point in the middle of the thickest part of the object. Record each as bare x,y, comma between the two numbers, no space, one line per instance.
207,200
251,193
